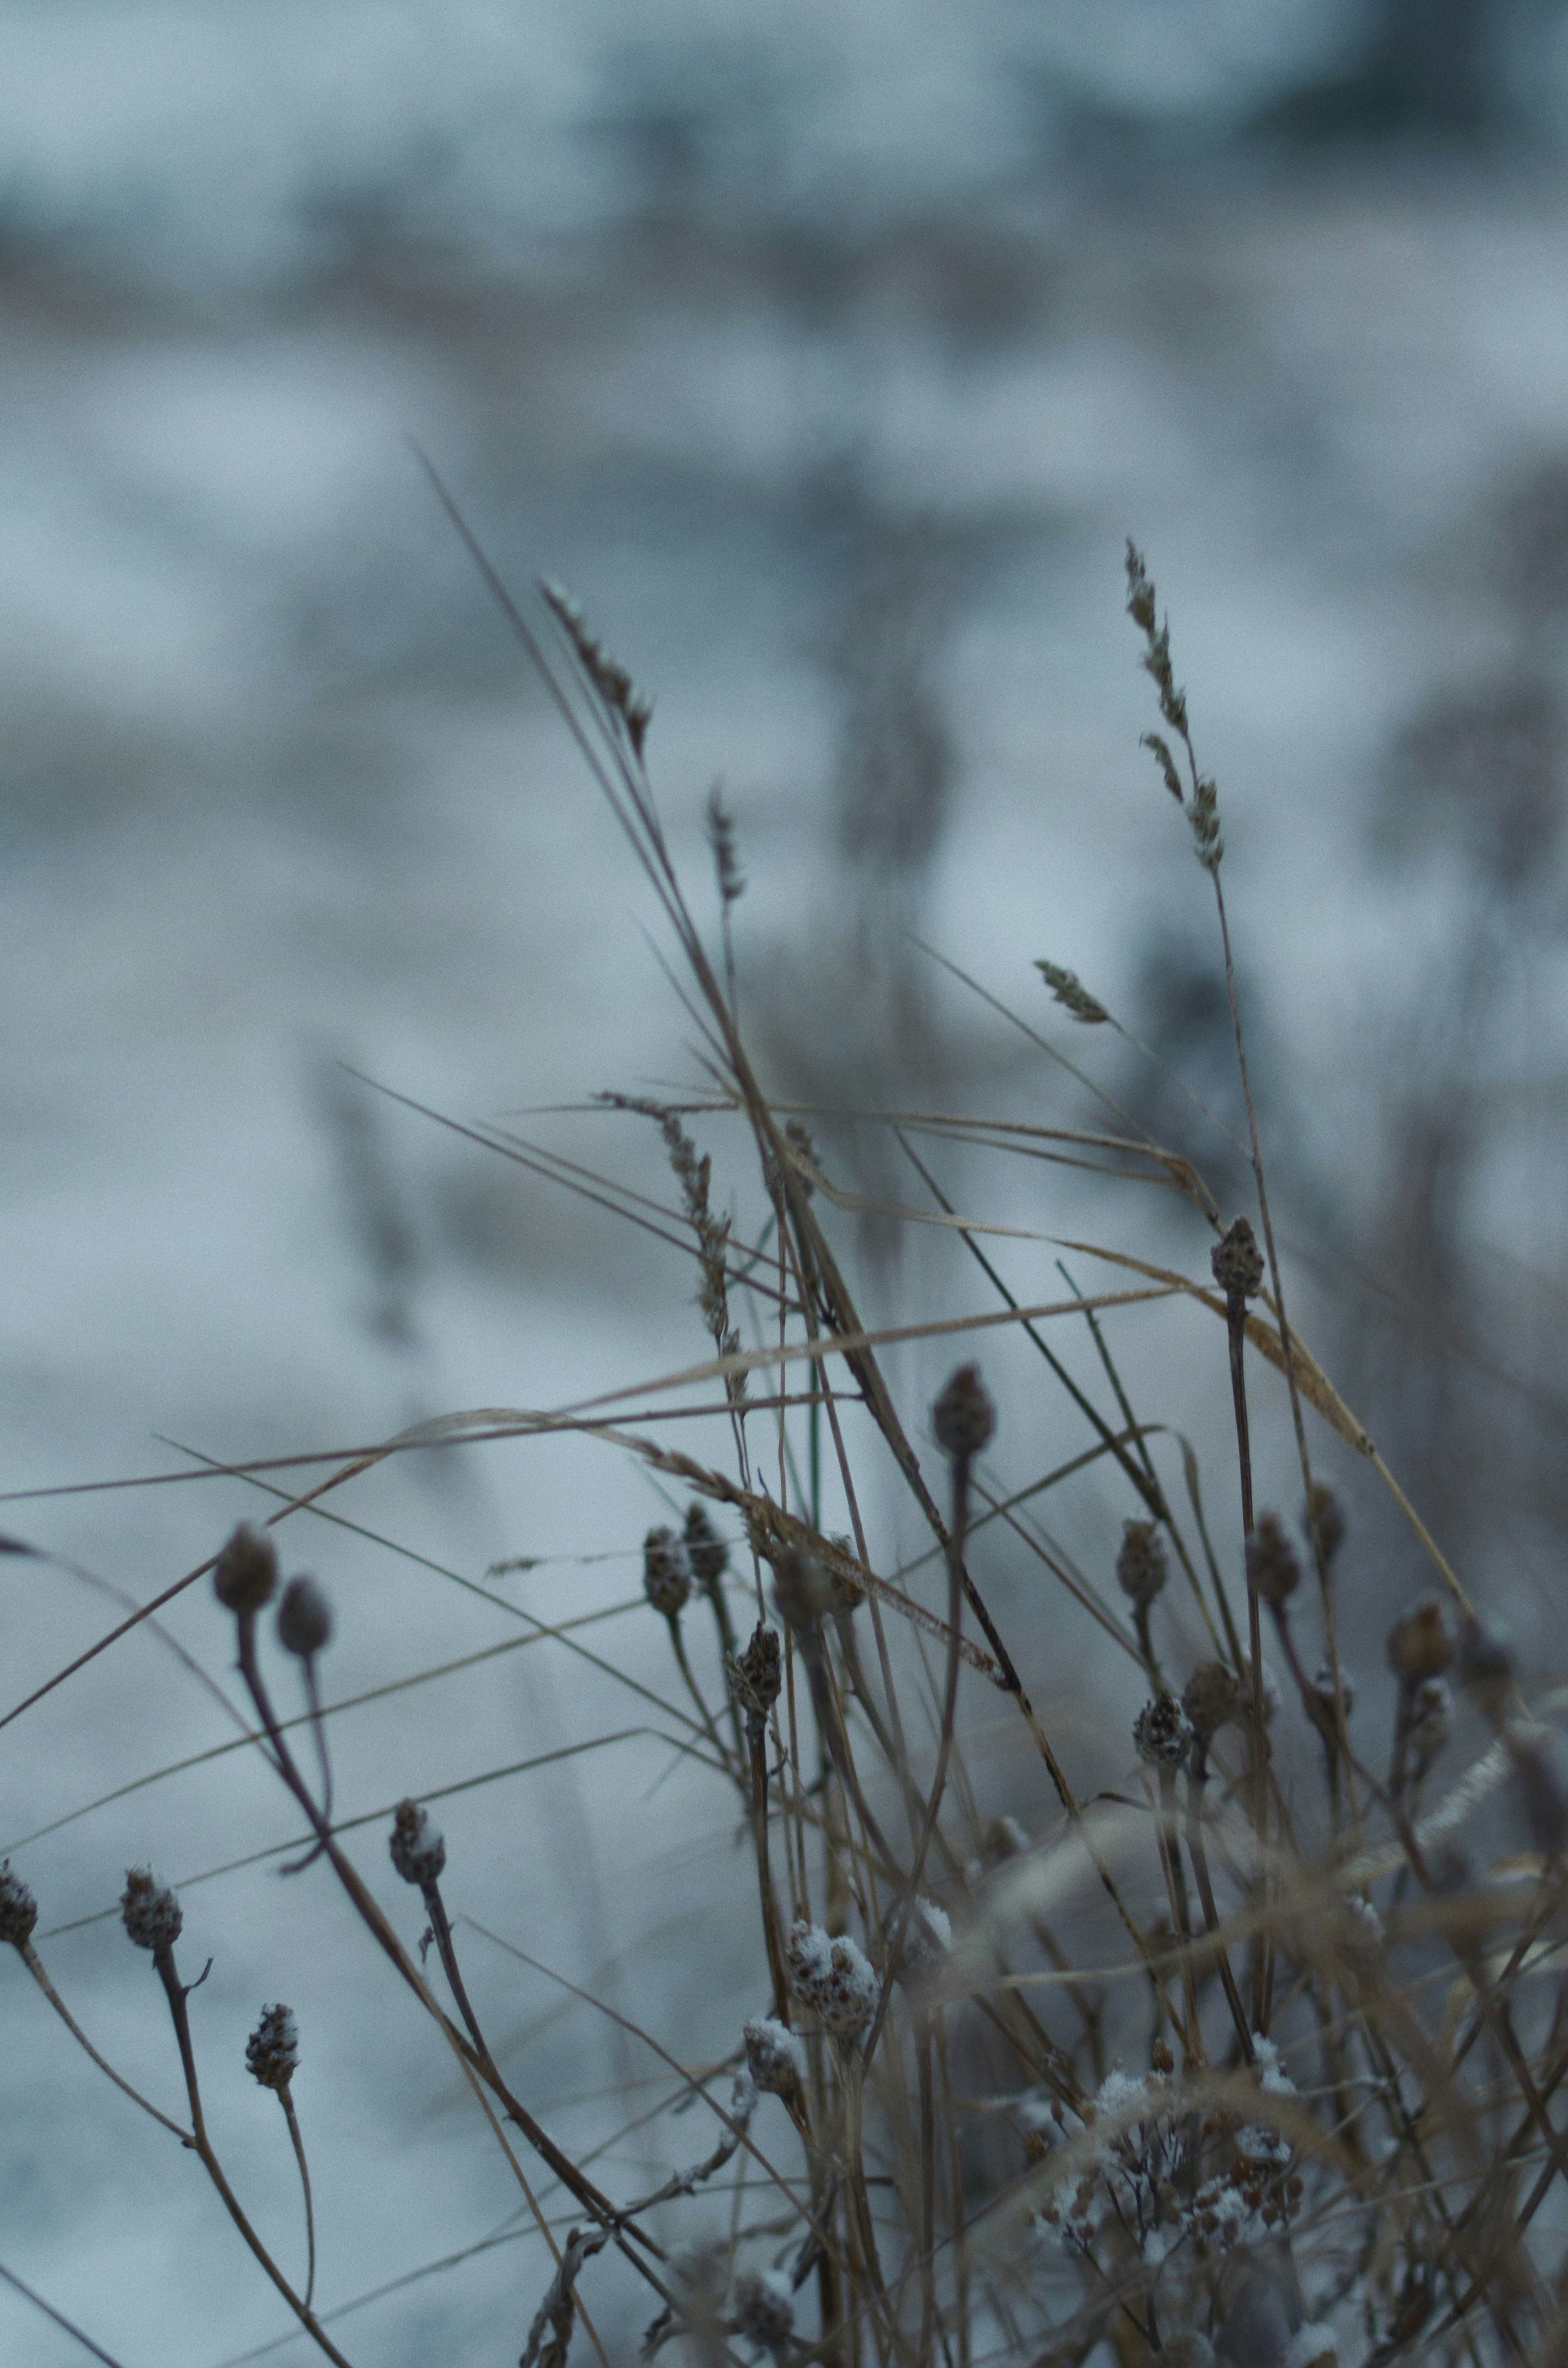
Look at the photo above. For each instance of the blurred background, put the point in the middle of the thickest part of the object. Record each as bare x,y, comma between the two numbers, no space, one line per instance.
828,354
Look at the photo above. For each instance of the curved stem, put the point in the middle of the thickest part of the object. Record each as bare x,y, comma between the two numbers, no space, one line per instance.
29,1958
287,2102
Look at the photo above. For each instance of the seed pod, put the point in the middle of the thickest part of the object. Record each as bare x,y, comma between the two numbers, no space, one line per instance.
707,1553
1419,1645
272,2051
1162,1733
834,1978
1326,1511
152,1914
19,1908
1238,1265
304,1619
963,1418
802,1590
417,1851
1273,1572
666,1572
1214,1698
1140,1569
244,1576
775,2057
757,1675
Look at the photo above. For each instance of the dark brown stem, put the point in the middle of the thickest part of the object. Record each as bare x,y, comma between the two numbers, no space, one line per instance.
756,1739
287,2102
1196,1778
29,1958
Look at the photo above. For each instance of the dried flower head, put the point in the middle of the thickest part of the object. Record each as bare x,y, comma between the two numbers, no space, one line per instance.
1327,1515
1162,1733
802,1590
964,1418
19,1908
1419,1645
775,2057
706,1551
1072,994
765,2309
1140,1569
244,1576
757,1675
1214,1698
1273,1572
609,677
272,2051
304,1619
152,1913
417,1850
1237,1263
834,1977
666,1572
1485,1668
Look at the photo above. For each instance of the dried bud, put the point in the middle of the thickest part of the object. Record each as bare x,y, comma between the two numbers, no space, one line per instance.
245,1573
152,1913
1238,1265
272,2051
775,2057
1419,1646
1486,1668
1431,1721
304,1619
765,2309
802,1590
707,1553
757,1676
964,1418
1214,1698
666,1572
19,1908
834,1977
417,1850
1162,1733
1141,1564
1273,1572
1326,1512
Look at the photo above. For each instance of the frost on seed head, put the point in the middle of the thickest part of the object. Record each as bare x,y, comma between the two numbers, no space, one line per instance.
775,2057
666,1572
417,1851
152,1913
272,2051
765,2309
834,1978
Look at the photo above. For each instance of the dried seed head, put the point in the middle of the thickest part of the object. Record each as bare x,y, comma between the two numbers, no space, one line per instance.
928,1939
304,1619
1162,1733
1214,1698
1072,994
666,1572
1238,1264
834,1977
707,1553
757,1675
19,1908
1485,1668
1419,1645
418,1852
775,2057
152,1913
244,1576
1431,1721
765,2309
964,1418
1327,1513
272,2051
802,1590
1141,1562
1273,1572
